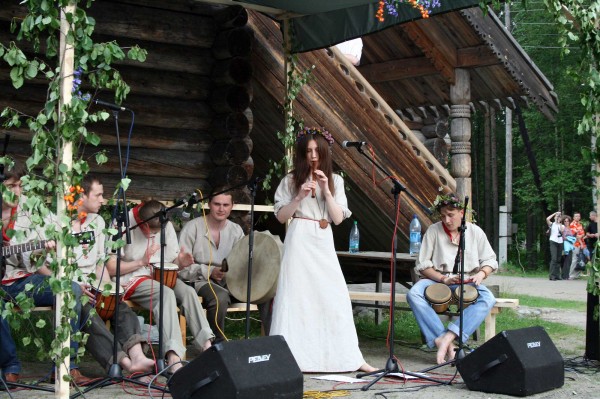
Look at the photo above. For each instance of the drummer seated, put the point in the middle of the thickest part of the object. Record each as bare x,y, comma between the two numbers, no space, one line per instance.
210,240
435,264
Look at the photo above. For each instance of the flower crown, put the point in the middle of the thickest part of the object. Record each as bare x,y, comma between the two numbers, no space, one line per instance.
315,130
446,200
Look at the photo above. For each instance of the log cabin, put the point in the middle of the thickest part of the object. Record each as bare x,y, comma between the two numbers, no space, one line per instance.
208,103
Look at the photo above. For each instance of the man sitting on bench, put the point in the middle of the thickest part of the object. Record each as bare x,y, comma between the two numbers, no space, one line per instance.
435,264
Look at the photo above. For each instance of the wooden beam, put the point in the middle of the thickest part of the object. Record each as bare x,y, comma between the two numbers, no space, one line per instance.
398,69
477,56
416,33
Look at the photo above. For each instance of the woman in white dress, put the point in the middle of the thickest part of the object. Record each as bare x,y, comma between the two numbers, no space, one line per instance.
312,307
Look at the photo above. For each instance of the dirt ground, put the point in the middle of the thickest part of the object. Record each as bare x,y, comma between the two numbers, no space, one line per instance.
580,381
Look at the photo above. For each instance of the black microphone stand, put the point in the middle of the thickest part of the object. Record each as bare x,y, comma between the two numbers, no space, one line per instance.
5,385
115,372
252,186
391,365
459,267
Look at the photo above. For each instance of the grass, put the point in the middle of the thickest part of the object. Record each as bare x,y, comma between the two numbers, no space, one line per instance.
537,302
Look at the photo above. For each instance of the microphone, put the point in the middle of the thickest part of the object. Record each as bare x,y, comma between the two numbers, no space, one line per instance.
189,208
114,107
357,144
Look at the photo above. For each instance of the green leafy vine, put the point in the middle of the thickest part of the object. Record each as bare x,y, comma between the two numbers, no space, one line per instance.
57,124
296,79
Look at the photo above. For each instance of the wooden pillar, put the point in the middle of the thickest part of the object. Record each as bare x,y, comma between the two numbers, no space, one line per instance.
460,132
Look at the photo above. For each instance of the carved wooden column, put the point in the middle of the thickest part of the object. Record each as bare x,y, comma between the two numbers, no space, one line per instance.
460,132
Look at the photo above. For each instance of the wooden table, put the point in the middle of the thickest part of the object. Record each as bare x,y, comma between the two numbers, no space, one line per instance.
371,266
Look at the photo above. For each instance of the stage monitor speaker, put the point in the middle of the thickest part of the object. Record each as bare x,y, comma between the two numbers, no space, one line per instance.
514,362
247,369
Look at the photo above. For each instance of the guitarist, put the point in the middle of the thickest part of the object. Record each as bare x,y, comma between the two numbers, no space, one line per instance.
19,270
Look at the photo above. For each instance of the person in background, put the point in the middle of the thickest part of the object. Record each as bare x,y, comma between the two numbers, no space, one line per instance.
591,234
569,240
556,245
435,266
579,232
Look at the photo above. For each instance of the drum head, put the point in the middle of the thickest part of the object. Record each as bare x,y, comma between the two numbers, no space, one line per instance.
266,262
168,266
438,293
470,293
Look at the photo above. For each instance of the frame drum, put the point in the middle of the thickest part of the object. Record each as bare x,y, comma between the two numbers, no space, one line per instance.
438,295
105,304
170,273
266,262
470,295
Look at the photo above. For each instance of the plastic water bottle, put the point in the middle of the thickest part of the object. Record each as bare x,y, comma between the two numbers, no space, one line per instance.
415,236
354,238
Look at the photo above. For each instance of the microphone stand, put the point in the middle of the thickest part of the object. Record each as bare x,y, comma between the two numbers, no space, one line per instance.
391,365
459,267
252,186
115,372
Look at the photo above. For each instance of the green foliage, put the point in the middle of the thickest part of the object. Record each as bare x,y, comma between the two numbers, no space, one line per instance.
59,123
295,81
578,22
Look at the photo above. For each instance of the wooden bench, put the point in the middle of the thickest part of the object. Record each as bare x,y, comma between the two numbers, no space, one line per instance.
234,307
490,319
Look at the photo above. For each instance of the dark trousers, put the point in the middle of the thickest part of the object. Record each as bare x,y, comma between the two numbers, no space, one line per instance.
555,260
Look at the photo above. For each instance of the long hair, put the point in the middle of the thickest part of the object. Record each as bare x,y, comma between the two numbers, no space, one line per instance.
302,167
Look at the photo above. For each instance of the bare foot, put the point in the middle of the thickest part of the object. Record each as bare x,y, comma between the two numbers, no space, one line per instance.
367,368
174,362
139,362
206,345
125,363
445,345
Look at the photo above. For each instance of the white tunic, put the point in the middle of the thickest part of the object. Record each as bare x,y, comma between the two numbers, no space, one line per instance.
312,307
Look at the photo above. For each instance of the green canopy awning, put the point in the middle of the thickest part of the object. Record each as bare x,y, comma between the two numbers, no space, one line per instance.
323,23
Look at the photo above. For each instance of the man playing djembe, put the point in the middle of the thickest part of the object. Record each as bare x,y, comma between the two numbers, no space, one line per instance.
435,264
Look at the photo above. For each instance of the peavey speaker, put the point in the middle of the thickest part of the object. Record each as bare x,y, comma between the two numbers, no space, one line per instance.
514,362
246,369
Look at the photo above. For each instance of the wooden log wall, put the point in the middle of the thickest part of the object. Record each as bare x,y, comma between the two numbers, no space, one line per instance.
230,99
171,139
